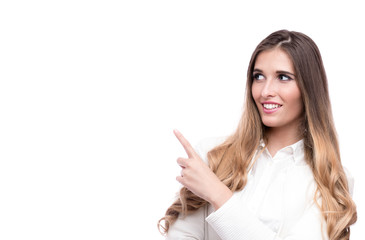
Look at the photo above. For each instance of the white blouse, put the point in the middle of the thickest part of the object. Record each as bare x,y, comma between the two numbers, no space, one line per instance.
276,203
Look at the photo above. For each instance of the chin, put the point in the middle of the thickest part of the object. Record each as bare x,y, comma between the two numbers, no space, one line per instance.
270,123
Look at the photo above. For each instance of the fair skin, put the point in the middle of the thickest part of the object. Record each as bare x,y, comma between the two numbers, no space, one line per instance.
278,99
199,178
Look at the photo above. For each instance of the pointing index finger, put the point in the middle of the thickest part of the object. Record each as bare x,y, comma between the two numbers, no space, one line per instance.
185,143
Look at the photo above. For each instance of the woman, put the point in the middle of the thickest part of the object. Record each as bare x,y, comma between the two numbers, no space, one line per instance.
279,176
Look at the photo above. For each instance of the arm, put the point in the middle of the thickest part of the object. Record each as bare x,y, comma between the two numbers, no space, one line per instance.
234,221
199,178
194,225
188,227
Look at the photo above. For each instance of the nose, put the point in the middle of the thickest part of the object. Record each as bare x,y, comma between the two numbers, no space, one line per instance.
268,89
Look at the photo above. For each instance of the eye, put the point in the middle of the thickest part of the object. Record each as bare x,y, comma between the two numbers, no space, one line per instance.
284,77
258,76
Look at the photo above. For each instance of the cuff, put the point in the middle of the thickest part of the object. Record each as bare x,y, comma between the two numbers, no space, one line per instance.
234,221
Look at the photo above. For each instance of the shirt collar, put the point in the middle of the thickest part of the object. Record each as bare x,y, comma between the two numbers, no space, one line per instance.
296,149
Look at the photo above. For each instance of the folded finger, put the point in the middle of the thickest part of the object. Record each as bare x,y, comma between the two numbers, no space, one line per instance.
182,162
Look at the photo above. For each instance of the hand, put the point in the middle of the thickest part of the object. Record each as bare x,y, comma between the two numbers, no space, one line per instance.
199,178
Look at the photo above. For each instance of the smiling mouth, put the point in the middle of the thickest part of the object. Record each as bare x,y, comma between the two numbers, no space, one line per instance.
271,106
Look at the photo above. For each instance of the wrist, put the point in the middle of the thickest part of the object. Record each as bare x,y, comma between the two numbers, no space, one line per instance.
221,197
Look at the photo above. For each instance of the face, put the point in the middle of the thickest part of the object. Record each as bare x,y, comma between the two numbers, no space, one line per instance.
275,90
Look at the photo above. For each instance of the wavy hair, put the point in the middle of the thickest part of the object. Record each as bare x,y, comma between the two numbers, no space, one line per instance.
232,160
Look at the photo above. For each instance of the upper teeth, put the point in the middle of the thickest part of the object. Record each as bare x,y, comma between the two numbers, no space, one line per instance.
271,106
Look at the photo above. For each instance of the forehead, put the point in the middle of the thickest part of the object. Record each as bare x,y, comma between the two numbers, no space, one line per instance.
274,60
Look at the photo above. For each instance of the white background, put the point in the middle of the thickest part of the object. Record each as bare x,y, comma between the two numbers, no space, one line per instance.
90,92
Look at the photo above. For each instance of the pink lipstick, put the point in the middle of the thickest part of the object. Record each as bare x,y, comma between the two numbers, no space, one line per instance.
270,107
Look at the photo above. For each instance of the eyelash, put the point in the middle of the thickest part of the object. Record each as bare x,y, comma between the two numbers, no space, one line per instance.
280,76
256,76
286,76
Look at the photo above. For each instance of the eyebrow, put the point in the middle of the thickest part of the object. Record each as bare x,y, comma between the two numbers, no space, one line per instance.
279,72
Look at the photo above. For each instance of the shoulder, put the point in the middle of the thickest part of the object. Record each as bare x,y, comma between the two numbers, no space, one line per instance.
207,144
188,227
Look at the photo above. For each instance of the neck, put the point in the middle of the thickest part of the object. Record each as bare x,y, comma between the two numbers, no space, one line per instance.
278,138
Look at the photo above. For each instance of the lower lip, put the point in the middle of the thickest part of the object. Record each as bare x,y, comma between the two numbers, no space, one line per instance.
268,111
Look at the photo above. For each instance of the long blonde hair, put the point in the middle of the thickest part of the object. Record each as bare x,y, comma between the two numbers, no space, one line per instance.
231,160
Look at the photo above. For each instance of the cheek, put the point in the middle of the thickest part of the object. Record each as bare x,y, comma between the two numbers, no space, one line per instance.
295,98
256,92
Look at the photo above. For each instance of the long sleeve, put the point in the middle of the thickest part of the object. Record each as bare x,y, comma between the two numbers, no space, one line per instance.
275,204
194,225
189,227
234,221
